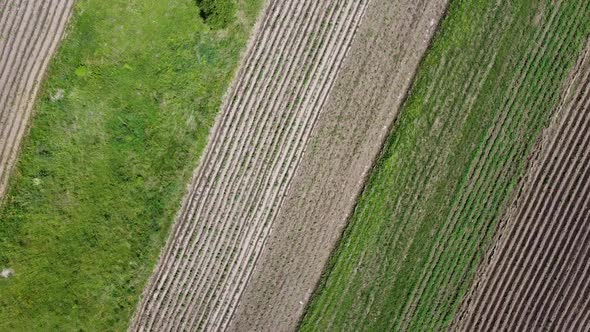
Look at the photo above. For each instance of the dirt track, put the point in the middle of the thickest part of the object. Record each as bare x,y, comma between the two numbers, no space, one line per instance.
349,135
536,276
30,31
254,149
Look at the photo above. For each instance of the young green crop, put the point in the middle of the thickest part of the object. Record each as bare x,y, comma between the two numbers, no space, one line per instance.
483,92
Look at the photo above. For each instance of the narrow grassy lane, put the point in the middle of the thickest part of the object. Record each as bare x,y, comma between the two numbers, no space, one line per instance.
119,127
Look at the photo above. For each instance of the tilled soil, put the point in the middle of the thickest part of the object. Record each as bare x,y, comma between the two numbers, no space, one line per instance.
349,134
257,144
30,31
536,275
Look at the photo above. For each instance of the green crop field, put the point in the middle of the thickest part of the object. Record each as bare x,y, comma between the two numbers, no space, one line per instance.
485,89
104,167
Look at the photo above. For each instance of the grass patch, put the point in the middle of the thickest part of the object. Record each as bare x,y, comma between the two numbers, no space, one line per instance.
485,73
103,169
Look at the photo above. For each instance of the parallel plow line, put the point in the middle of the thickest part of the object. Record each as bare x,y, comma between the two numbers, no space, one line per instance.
253,152
492,167
323,193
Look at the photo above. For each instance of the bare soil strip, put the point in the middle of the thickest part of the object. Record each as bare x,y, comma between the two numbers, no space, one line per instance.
292,62
29,34
536,276
347,139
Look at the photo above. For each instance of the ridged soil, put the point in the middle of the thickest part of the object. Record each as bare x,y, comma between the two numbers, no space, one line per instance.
259,137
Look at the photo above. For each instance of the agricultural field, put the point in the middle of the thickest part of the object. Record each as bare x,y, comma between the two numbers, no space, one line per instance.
119,125
484,91
536,277
342,148
252,154
29,34
283,165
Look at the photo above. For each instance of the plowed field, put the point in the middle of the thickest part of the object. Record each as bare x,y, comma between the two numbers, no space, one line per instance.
485,90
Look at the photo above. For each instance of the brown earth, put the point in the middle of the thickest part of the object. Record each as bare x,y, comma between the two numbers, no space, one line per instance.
30,31
349,134
536,275
257,143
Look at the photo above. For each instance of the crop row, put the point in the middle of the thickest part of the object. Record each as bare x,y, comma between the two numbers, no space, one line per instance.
470,130
537,276
253,152
493,171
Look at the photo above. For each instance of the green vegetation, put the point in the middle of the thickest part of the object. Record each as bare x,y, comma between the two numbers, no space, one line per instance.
103,170
217,13
483,92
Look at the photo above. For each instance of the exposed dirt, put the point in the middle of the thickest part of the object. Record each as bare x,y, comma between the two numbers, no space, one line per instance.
30,31
258,140
536,275
342,149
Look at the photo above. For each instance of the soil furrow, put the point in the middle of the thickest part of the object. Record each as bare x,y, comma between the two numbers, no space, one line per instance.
269,175
562,265
16,35
216,191
555,235
289,150
302,139
24,47
528,282
277,313
259,160
505,169
222,128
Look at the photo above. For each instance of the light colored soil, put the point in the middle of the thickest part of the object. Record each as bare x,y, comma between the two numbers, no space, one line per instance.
256,146
29,34
536,275
342,149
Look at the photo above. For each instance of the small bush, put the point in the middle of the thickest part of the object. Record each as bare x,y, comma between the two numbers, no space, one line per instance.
217,13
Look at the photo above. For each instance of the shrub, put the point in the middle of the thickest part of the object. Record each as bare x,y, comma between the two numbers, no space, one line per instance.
217,13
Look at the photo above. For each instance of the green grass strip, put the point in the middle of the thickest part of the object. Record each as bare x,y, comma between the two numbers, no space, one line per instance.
425,177
103,170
